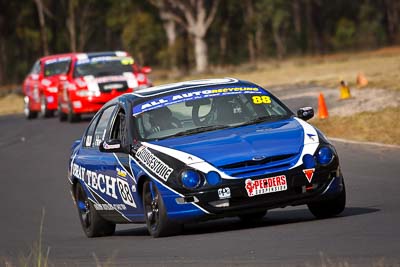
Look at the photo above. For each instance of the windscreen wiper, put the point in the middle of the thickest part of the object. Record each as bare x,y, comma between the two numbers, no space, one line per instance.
200,130
263,119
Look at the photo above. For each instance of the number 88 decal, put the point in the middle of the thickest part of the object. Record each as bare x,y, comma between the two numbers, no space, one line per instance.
261,99
125,193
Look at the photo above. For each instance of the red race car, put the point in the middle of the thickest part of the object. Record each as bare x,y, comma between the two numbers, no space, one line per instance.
41,85
94,79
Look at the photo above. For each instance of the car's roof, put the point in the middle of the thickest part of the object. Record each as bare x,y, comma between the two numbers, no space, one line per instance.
186,85
49,57
180,86
88,55
104,54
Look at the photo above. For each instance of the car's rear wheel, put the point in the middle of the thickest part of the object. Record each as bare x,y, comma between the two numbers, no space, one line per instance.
252,217
29,114
61,115
92,223
71,115
44,111
155,213
330,207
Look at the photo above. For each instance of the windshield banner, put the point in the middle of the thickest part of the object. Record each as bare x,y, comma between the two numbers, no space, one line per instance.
57,60
123,60
167,100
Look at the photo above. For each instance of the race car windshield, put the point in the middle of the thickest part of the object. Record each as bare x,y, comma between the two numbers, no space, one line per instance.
56,67
104,66
204,114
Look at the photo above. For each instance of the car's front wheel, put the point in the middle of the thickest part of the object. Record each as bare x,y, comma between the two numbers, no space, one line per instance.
330,207
92,223
44,111
61,115
29,114
155,213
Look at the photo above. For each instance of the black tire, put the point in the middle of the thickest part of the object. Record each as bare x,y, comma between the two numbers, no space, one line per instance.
92,223
254,217
44,111
329,208
61,115
158,224
29,114
71,116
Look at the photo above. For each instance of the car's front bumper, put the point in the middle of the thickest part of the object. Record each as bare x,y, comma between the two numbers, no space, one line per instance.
208,204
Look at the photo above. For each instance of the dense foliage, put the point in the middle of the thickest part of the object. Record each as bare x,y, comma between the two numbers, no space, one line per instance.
159,33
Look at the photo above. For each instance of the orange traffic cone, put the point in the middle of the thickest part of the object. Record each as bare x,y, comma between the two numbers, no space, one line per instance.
322,110
361,80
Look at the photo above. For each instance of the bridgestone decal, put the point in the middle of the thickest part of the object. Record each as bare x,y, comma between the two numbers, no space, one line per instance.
153,163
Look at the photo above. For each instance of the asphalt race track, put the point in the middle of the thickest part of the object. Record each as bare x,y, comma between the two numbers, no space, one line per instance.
33,168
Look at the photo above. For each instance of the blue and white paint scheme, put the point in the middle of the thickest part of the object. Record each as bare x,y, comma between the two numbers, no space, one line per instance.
200,150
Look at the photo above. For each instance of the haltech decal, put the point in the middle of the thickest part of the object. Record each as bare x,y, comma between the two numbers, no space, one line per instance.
265,185
153,163
104,184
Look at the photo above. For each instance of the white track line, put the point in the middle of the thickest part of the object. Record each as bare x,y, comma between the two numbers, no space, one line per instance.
363,143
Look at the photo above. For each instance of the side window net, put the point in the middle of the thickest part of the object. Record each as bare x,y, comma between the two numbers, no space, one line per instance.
101,129
89,134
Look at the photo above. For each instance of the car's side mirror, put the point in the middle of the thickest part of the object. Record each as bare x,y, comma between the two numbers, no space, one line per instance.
305,113
146,70
111,146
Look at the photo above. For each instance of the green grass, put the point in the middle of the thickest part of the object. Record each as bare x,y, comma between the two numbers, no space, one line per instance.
381,126
381,68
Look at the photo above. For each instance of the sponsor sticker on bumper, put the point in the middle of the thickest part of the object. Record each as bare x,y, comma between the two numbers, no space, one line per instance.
265,185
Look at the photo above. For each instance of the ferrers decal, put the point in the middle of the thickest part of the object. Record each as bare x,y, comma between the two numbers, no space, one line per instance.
265,185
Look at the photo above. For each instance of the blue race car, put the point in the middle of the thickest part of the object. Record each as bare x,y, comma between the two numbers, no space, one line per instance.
198,150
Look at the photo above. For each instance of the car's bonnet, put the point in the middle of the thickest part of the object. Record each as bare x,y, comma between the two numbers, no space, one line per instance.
233,145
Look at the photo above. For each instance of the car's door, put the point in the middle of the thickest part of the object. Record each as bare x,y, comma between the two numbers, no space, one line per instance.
117,165
107,175
32,83
100,187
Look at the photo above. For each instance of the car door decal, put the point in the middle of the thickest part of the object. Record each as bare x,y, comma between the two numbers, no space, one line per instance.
100,200
164,185
125,190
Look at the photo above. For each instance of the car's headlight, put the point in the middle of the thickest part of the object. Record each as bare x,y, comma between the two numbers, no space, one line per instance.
325,155
213,178
308,161
191,179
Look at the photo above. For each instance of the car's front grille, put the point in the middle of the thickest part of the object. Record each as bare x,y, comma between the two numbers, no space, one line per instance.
255,167
121,86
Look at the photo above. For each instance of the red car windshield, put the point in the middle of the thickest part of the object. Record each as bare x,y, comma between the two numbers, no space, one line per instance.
56,67
103,66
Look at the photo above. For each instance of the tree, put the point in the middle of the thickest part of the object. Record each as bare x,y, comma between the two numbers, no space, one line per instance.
249,20
42,22
79,23
275,14
393,19
195,16
169,26
71,24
